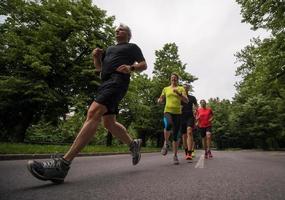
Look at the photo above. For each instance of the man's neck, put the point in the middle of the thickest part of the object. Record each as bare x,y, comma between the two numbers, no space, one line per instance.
122,42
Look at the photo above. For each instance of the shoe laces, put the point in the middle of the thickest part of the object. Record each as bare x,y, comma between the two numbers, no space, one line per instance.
55,162
132,147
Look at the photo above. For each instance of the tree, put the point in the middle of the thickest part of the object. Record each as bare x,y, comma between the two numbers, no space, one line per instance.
136,106
167,61
264,14
221,123
259,103
45,59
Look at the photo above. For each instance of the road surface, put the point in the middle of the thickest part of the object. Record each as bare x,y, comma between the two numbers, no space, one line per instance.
229,175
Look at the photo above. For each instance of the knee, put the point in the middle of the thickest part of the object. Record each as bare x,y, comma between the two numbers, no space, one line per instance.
94,114
208,135
189,132
107,125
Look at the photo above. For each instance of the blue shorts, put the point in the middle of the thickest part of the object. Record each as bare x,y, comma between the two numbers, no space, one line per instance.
172,122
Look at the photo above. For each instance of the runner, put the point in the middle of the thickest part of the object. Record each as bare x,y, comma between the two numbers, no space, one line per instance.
196,139
188,122
204,116
173,95
115,66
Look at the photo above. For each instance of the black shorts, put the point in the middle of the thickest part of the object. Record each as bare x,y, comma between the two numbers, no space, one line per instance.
203,131
196,135
111,92
186,121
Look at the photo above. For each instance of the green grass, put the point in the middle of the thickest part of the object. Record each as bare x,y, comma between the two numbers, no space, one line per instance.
20,148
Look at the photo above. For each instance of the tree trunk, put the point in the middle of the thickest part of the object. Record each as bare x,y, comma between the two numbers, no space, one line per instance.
18,130
109,139
159,139
143,137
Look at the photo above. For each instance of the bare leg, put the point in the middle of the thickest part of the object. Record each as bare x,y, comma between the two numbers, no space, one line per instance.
184,140
189,138
204,143
193,145
166,136
175,147
87,131
117,129
208,136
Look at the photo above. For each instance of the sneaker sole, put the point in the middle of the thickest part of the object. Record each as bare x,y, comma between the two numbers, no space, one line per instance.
34,173
164,154
40,177
139,151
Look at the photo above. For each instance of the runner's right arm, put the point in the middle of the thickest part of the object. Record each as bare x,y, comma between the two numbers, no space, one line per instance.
162,97
97,59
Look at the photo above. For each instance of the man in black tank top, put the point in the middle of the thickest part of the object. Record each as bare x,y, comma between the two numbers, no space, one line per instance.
115,64
188,123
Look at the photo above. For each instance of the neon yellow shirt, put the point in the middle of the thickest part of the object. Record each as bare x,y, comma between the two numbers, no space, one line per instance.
173,101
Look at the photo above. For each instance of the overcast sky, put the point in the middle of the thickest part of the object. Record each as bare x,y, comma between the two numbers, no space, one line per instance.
207,32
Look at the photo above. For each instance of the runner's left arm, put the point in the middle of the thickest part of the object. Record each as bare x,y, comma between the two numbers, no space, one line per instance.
182,94
211,116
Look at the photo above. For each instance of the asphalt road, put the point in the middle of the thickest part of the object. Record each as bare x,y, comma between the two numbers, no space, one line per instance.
229,175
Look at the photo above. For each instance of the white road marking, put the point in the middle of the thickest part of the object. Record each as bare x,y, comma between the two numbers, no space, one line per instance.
200,163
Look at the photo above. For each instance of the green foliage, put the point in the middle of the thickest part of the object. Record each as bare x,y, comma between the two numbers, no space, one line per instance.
44,132
45,59
267,14
167,62
257,116
47,79
262,92
139,109
221,126
22,148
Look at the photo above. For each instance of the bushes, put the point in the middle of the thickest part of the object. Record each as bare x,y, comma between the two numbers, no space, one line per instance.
66,131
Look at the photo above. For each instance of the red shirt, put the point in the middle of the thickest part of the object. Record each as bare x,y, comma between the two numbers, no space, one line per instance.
203,115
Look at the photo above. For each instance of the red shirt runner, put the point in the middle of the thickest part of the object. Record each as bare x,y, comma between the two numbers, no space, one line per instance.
203,115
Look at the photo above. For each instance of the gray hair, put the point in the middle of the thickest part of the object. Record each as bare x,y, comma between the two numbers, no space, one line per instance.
127,29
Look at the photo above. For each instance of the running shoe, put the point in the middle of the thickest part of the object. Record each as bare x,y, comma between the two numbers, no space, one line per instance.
210,154
206,155
175,160
186,150
135,148
193,154
165,149
53,170
189,157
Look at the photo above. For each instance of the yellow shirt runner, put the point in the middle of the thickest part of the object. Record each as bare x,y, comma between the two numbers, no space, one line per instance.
173,101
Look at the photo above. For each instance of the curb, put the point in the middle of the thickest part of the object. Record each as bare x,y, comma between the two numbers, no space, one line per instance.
44,156
4,157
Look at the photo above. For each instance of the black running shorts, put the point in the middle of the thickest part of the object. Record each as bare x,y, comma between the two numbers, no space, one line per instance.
203,131
111,92
186,121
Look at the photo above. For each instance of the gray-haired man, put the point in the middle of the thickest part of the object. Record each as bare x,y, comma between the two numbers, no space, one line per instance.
115,65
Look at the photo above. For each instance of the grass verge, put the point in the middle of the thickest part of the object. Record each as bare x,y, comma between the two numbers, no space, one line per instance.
21,148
